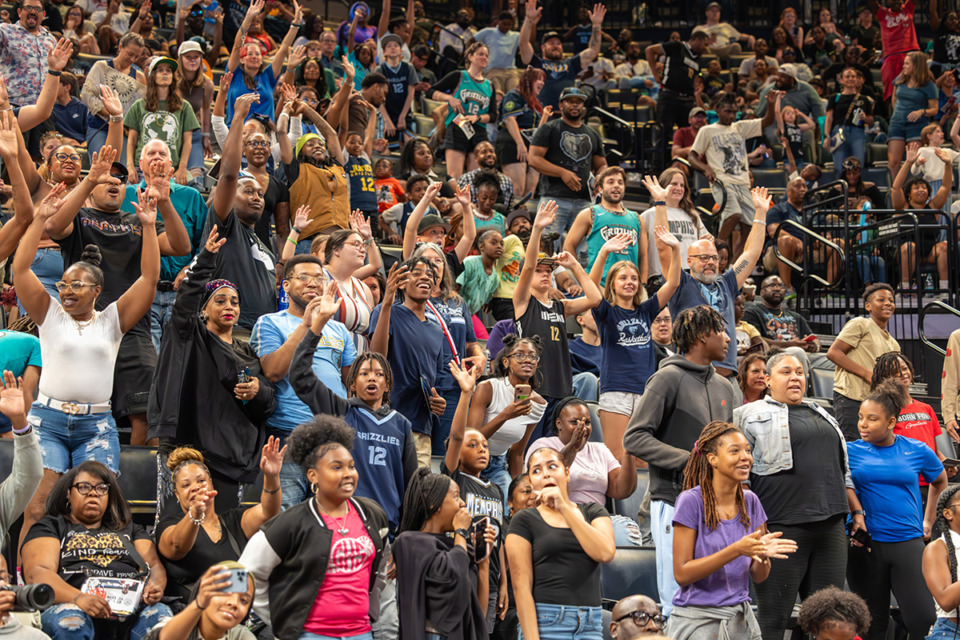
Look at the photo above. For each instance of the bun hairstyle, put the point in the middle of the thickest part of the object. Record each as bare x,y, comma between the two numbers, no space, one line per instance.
182,456
423,497
90,262
510,344
312,440
890,395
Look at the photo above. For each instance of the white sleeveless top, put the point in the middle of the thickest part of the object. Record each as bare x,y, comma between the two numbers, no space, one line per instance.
502,394
956,558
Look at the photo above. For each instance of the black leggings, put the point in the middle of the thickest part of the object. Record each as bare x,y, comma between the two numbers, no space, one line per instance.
897,566
820,561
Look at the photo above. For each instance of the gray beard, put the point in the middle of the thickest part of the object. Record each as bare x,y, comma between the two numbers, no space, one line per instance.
704,278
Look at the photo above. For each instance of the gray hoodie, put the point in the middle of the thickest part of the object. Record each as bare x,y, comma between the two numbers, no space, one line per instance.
680,399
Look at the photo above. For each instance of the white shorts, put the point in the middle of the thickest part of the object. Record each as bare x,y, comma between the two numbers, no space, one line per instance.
739,202
619,402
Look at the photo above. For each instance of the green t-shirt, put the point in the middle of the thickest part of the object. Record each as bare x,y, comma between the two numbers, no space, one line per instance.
476,286
162,124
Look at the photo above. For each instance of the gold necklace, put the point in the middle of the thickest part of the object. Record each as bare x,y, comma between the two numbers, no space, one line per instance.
83,324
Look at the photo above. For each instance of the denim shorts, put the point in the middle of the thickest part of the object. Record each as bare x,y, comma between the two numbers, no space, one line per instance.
66,440
944,629
565,622
906,130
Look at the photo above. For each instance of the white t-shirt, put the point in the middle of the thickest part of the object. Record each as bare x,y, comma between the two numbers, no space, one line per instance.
725,32
78,358
638,68
932,168
514,429
687,229
746,67
726,150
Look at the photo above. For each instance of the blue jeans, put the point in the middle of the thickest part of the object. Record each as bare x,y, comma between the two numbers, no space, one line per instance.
160,312
626,532
96,138
944,629
313,636
303,246
293,484
435,636
70,622
567,210
48,267
66,440
440,433
661,528
854,144
564,622
586,386
196,151
497,473
871,268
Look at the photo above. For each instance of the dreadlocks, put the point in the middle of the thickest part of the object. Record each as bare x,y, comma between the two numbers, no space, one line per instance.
693,324
941,527
888,368
699,472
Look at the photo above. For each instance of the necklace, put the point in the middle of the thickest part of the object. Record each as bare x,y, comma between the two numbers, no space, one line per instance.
83,324
342,525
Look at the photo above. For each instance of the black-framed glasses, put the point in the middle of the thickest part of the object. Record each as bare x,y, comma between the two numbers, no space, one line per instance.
63,157
641,618
84,488
32,8
525,357
706,258
72,286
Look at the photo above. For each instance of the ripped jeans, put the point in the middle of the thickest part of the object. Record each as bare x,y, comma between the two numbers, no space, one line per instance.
67,440
70,622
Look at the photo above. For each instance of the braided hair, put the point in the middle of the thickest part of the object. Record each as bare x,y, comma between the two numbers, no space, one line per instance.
941,528
699,472
832,606
693,324
888,368
423,497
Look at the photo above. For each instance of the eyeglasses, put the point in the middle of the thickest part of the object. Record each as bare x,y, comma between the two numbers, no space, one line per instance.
662,320
311,101
63,157
257,144
306,279
525,357
641,618
706,258
84,488
32,9
63,287
356,244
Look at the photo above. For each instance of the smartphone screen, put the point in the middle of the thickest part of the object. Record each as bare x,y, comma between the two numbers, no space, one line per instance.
480,549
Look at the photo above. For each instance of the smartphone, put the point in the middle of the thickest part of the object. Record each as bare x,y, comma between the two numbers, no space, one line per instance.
863,537
244,376
480,548
522,391
238,581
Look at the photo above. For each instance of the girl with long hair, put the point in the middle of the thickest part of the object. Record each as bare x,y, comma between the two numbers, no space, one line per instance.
197,89
884,468
162,114
681,219
520,114
915,101
720,540
940,566
790,23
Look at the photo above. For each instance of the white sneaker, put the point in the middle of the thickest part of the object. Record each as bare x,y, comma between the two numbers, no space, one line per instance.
908,299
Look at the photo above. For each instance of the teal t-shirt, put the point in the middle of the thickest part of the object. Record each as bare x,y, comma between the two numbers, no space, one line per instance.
18,351
496,221
476,286
475,97
607,224
165,125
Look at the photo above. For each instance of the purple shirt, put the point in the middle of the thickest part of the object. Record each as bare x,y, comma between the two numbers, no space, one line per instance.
731,584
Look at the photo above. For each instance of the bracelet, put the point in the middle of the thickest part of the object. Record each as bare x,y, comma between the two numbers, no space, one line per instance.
463,533
271,493
24,431
55,74
197,602
658,203
858,512
368,242
197,521
115,119
296,24
292,241
295,230
205,135
755,221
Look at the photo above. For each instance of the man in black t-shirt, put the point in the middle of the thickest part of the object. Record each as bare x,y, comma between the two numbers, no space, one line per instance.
118,235
681,66
561,72
565,152
781,327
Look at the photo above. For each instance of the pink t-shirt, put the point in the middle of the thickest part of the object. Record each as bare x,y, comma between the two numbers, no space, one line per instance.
588,475
343,601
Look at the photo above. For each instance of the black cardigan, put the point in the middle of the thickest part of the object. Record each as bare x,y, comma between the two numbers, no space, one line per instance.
191,398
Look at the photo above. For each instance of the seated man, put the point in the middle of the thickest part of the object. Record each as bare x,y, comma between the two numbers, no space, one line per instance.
635,617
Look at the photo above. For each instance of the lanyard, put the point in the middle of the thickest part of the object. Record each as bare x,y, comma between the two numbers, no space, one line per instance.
446,333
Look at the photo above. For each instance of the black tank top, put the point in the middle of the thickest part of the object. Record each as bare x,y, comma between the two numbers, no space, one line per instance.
554,373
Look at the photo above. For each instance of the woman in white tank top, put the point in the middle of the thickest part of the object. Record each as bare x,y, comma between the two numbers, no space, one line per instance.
504,419
940,562
78,344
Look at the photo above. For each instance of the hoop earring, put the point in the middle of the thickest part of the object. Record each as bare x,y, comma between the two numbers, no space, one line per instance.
314,488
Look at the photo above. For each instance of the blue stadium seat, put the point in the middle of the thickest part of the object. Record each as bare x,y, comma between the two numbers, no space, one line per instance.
630,506
632,571
596,433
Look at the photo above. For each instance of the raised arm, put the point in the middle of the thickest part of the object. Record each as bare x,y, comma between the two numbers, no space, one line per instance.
465,245
897,199
590,54
342,99
384,19
528,30
591,292
546,213
225,192
252,12
396,278
360,224
32,115
136,301
281,55
413,222
60,225
333,142
615,244
666,239
12,232
467,381
940,197
757,238
271,459
30,291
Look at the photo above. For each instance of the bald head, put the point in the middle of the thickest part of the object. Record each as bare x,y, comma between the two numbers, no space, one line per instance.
626,617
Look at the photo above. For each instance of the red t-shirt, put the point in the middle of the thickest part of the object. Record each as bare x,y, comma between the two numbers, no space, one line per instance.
897,32
343,601
919,422
684,137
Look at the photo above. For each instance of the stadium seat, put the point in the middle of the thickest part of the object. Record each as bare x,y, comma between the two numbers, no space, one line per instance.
770,178
876,155
633,571
878,175
596,431
629,507
607,619
822,383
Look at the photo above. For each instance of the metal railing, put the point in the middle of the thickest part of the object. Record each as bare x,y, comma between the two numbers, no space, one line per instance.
819,238
923,314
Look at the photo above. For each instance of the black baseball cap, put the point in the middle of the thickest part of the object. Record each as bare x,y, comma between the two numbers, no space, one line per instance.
550,34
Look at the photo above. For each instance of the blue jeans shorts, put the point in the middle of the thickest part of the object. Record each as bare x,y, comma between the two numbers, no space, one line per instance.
70,622
944,629
66,440
564,622
906,130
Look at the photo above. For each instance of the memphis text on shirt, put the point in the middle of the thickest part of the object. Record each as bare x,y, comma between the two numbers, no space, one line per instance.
105,225
549,315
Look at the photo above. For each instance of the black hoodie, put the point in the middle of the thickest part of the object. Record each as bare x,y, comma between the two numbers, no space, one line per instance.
680,399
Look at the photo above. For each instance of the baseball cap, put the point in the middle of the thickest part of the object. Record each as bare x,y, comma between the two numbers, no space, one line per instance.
712,5
188,46
432,220
170,61
550,34
788,69
120,169
573,92
517,213
390,37
697,111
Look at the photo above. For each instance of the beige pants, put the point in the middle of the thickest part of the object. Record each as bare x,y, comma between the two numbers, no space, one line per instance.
503,80
424,449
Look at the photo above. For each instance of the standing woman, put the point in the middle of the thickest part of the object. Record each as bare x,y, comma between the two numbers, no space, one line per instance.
161,114
720,540
197,89
470,97
679,215
519,111
501,412
316,564
248,60
940,566
885,467
198,397
343,257
915,101
554,552
797,445
439,584
120,74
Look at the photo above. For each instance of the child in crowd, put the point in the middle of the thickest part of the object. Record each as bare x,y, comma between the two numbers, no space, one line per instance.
390,191
787,125
712,82
394,219
480,277
940,565
928,165
357,148
833,614
401,80
488,190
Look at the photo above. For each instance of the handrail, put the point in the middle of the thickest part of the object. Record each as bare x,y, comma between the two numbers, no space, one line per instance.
718,182
923,313
799,269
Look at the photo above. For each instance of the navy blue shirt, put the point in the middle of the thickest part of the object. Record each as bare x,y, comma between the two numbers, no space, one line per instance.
363,193
378,451
585,358
886,482
785,211
459,323
399,81
415,356
71,119
513,105
629,358
560,75
720,296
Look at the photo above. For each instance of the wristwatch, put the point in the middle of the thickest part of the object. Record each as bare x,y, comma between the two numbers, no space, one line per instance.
463,533
858,512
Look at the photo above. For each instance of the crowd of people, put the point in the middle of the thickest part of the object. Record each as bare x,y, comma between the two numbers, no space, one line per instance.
445,378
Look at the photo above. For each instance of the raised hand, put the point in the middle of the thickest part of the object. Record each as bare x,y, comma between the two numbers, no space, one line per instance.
349,71
51,203
212,583
298,55
396,279
327,307
59,55
100,165
943,155
9,146
432,190
663,235
218,16
761,200
157,178
546,214
214,241
12,403
146,207
657,192
360,224
462,195
272,457
111,101
533,12
466,378
596,16
144,9
244,102
302,217
297,12
913,150
254,10
618,243
566,260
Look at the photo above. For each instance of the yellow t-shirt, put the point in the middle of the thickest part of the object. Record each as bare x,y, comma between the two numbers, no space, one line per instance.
869,342
508,265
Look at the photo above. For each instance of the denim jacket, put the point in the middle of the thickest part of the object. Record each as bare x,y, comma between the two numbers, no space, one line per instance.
765,425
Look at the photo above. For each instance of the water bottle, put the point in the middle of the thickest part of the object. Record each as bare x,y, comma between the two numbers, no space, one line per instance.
282,302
